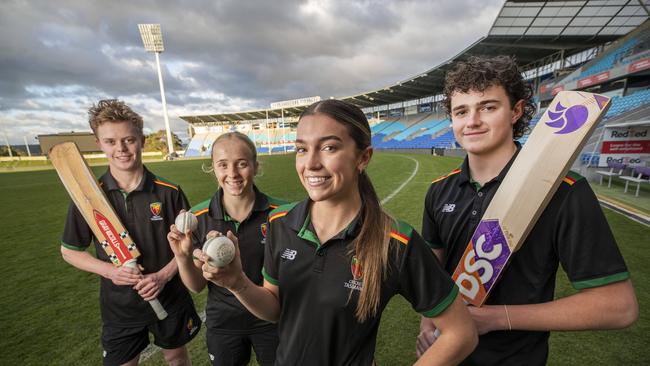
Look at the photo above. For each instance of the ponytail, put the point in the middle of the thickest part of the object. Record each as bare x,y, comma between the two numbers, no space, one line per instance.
371,248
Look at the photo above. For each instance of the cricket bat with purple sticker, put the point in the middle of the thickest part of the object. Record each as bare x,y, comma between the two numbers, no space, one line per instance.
89,198
532,180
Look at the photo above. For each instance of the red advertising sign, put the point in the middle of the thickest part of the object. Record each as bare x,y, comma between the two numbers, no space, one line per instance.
626,147
593,79
639,65
625,144
543,88
557,89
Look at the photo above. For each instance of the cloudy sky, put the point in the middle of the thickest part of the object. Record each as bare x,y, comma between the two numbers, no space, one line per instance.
58,57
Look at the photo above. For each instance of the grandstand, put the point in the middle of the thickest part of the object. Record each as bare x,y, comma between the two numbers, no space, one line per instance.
596,46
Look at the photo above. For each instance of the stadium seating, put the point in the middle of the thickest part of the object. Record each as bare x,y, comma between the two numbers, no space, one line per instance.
422,131
607,60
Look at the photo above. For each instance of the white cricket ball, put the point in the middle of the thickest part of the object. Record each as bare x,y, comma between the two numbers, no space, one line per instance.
186,221
221,251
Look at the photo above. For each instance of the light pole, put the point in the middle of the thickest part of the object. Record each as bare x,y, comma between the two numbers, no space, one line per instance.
153,42
8,145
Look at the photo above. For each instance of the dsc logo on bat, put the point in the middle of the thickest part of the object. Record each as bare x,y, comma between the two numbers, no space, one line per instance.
482,262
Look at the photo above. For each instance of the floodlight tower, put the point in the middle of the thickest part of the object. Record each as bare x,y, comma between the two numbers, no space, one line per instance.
153,42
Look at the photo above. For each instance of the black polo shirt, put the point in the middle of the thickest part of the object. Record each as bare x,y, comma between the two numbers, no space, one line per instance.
225,314
571,231
319,285
147,213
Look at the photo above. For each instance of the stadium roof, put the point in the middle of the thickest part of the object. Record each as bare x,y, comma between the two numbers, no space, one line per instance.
528,30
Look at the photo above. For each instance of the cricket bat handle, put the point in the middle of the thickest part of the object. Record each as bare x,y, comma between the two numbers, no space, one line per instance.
155,304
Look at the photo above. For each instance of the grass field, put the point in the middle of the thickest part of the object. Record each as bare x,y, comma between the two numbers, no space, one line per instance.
50,311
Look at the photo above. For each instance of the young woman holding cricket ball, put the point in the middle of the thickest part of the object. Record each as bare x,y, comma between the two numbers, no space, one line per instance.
237,207
334,260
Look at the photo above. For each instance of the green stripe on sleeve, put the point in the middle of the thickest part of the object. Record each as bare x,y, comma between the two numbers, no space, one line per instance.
72,247
444,304
270,279
601,281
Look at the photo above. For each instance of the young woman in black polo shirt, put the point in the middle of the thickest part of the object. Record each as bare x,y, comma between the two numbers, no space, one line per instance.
240,207
333,261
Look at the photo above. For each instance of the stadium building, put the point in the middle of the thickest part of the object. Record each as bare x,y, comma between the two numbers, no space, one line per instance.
600,46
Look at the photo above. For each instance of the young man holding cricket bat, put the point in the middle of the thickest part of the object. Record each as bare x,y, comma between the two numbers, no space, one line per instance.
146,205
490,105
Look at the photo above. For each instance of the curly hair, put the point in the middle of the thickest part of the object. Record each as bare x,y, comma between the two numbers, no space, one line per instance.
113,110
479,73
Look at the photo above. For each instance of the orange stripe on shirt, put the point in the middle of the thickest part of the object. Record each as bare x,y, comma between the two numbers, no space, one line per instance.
165,184
200,212
569,180
399,237
455,171
277,215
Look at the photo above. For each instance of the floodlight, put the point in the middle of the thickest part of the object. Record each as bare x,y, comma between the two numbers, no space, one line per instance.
153,42
151,37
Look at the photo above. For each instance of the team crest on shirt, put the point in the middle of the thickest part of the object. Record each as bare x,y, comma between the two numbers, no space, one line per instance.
357,274
191,328
155,208
263,230
355,267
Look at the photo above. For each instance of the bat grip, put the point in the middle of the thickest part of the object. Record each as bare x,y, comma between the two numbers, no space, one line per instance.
155,304
158,308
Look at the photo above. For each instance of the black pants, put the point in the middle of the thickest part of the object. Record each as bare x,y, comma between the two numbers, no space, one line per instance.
235,349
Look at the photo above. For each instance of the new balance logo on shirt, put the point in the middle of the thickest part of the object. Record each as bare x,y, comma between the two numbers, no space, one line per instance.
289,254
448,207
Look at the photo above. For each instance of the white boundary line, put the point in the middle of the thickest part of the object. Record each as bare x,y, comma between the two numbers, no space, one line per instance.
152,349
395,192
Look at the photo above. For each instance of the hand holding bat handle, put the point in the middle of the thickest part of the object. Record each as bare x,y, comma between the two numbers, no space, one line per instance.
81,184
155,304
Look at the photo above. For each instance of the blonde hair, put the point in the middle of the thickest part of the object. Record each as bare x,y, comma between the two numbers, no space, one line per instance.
238,135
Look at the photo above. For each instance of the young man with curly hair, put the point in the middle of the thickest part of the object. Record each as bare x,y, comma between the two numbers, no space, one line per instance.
147,205
490,106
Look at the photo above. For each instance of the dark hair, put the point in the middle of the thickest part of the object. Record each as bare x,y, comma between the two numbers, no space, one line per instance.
479,73
113,110
372,244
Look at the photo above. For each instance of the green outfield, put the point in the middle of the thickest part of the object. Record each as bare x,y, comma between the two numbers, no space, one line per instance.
50,311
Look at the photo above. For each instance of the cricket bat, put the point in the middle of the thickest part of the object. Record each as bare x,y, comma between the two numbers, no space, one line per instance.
531,182
83,188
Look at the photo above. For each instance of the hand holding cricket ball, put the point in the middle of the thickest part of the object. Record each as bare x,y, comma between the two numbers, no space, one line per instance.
220,251
186,222
221,263
179,236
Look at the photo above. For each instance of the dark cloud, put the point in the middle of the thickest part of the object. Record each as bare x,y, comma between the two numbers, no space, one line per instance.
58,57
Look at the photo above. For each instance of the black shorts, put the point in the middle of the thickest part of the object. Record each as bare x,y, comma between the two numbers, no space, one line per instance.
235,349
123,344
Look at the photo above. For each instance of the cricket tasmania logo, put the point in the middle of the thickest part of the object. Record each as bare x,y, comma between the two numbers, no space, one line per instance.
355,267
155,208
357,274
263,229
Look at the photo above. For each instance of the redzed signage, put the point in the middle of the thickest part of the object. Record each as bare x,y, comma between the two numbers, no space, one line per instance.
594,79
557,89
625,144
639,65
626,147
